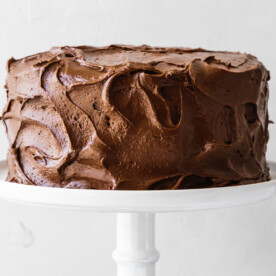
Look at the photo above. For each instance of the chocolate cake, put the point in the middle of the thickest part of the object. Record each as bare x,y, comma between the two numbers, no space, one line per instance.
136,118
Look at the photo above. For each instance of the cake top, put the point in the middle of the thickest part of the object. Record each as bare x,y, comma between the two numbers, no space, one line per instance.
117,57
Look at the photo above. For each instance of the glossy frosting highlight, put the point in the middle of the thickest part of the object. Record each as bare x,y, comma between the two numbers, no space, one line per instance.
135,118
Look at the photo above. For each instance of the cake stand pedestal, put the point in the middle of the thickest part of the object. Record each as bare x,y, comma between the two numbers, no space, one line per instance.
135,254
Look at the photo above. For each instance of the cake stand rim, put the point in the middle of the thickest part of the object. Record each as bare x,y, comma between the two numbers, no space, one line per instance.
137,201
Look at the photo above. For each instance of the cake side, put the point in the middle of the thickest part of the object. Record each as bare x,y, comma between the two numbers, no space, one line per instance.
124,117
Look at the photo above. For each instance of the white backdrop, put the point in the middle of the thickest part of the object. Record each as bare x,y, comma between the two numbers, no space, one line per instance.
239,241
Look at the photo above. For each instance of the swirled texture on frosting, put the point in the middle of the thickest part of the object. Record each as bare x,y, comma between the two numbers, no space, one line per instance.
135,118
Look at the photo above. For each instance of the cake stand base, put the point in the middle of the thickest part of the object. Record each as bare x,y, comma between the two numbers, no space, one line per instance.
135,254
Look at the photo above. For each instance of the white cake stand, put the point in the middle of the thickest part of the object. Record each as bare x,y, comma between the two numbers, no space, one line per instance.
135,254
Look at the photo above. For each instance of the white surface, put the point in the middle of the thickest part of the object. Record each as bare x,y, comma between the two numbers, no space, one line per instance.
38,241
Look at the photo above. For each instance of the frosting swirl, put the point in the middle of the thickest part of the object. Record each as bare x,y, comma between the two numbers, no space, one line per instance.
135,118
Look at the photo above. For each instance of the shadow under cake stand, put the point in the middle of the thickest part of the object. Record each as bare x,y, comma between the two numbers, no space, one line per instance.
135,254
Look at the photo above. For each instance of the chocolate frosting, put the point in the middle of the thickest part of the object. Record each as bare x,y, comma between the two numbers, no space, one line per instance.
136,118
